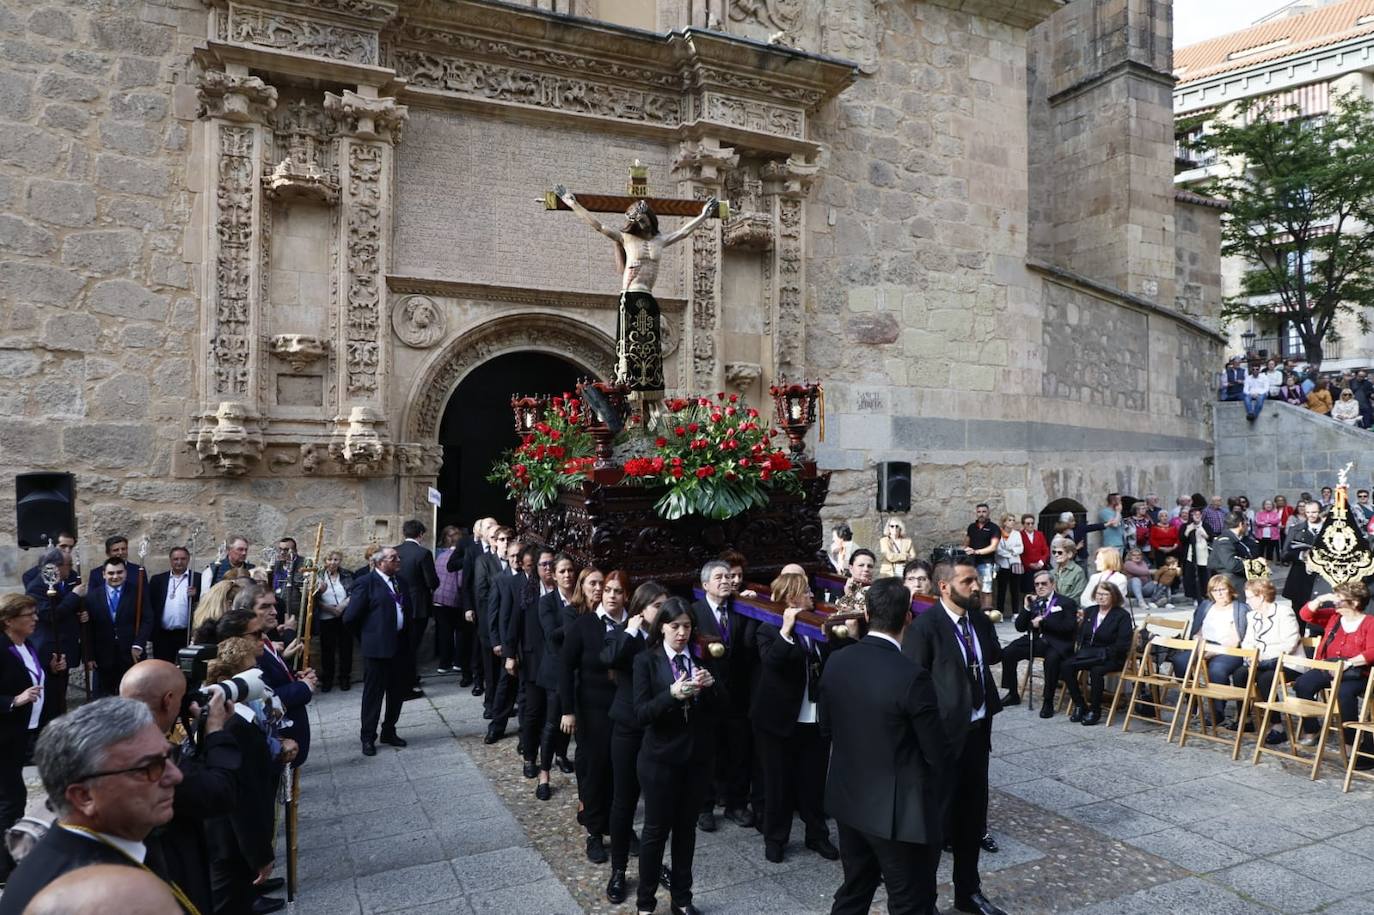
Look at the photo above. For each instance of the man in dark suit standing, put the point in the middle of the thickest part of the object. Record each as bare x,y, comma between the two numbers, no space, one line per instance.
889,762
506,590
421,578
119,628
379,611
172,597
116,547
715,618
956,643
488,567
1229,549
465,561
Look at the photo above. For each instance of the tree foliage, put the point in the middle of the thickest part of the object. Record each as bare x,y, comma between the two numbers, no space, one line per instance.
1301,196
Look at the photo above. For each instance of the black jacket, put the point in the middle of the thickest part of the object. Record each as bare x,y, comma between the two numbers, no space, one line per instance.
890,757
618,652
930,641
14,722
486,569
505,594
676,733
783,673
554,619
523,638
417,570
371,614
157,594
1113,636
586,681
61,611
1058,628
735,670
1301,585
208,789
1227,552
57,853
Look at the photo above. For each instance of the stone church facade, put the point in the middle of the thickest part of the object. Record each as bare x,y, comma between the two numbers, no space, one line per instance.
249,250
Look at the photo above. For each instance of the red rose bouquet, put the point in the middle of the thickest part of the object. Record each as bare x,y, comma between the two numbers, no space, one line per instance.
556,455
716,457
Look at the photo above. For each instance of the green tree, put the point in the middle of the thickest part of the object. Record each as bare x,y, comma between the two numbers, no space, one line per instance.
1301,213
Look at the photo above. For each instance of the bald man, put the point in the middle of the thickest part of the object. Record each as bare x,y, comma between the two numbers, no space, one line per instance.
209,786
105,889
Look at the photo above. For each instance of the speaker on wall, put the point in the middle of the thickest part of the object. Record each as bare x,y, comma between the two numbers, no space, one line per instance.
44,506
894,486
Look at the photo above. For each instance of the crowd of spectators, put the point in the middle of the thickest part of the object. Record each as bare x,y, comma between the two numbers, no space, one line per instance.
1347,397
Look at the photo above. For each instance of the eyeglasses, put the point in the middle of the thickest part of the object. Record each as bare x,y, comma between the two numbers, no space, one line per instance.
1060,552
546,565
152,770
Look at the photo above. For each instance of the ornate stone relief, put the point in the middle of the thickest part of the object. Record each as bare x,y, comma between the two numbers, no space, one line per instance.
853,30
230,338
367,118
298,350
754,115
230,439
749,232
361,344
669,334
276,29
788,181
742,375
783,15
304,169
418,321
704,164
232,97
360,444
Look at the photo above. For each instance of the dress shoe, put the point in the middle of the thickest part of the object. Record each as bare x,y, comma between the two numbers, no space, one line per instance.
493,736
978,903
464,681
415,693
345,685
1047,710
369,748
634,845
740,816
615,887
531,770
325,687
392,740
1011,699
687,909
596,850
1273,738
486,714
773,851
565,766
264,904
543,792
270,885
1077,714
1091,718
478,689
990,844
707,821
822,847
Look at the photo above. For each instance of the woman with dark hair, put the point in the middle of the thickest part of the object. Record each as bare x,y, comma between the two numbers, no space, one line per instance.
1104,639
556,612
618,653
677,703
588,691
916,577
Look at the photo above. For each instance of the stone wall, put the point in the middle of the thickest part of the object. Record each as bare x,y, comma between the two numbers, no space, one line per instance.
1197,270
1288,450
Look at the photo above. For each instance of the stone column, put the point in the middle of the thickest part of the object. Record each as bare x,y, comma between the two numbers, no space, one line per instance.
702,166
235,106
369,128
785,184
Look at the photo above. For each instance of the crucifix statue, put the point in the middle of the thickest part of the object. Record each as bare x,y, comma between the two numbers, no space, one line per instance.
639,249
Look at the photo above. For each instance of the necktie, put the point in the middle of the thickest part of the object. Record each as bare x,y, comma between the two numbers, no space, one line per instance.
975,682
114,602
724,619
680,665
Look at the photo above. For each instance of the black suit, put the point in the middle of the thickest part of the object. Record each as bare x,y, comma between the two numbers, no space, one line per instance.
506,590
933,643
486,569
208,789
241,840
1226,556
1102,649
417,570
60,611
554,618
735,672
794,754
889,765
673,767
59,852
131,569
588,691
16,737
1301,585
466,560
167,642
385,645
114,637
618,653
524,641
1053,641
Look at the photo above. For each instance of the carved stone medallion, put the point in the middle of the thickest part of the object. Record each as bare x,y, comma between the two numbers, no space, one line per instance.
418,321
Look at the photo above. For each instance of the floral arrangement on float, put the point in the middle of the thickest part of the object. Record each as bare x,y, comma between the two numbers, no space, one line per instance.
713,456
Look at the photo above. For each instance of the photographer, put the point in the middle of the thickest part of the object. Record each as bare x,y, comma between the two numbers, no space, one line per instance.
208,787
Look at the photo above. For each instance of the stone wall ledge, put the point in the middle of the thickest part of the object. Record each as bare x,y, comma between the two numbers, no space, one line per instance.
1118,297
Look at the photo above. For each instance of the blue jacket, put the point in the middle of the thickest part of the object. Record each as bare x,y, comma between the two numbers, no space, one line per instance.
1238,608
371,614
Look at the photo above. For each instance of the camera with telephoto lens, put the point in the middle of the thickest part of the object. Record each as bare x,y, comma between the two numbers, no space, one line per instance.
192,661
244,687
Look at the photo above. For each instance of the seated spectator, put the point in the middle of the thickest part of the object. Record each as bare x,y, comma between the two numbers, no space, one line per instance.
1346,410
1255,389
1104,639
1168,576
1348,635
1108,563
1293,393
1268,526
1273,631
1319,399
216,601
1140,579
1220,619
1274,375
1309,381
1233,379
1069,577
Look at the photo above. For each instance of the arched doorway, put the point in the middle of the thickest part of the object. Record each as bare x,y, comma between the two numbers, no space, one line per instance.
1049,515
477,426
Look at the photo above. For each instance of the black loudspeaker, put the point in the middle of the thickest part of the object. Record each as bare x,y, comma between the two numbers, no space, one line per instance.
44,506
894,486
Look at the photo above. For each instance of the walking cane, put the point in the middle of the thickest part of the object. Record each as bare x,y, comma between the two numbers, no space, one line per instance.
1030,670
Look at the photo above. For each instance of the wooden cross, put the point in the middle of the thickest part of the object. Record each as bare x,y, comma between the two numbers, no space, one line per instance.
638,190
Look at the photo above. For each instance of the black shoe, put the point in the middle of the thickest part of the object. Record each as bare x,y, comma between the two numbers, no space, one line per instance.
264,904
325,687
740,816
773,852
415,693
369,748
392,740
615,887
990,844
520,749
1047,710
1091,718
1144,711
493,735
665,877
270,885
478,690
1274,738
486,714
464,681
543,792
345,684
707,821
979,904
531,770
687,909
596,850
634,845
565,766
1078,713
822,847
1011,699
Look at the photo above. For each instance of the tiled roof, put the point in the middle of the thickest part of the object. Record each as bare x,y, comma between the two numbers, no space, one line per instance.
1280,38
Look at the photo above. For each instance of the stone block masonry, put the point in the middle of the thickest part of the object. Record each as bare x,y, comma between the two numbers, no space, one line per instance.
1288,450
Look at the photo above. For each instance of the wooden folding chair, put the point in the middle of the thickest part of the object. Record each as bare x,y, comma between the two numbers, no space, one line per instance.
1158,684
1289,706
1202,692
1363,726
1154,625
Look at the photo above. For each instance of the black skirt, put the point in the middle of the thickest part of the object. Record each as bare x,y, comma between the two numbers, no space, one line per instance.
639,348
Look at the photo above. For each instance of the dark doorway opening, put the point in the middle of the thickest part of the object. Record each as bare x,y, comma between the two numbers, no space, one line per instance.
478,426
1049,515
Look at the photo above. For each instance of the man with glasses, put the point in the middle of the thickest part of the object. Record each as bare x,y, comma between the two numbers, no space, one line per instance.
109,774
1049,620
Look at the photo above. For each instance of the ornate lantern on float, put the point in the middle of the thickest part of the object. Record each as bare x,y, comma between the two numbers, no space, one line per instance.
795,405
607,408
528,411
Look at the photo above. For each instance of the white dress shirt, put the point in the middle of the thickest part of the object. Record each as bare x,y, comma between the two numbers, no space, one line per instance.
176,612
400,616
807,713
35,670
136,850
981,711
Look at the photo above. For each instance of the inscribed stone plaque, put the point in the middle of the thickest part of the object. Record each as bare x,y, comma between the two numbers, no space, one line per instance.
300,390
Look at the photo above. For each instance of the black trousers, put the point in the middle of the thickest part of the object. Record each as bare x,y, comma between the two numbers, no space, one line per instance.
167,642
534,709
793,779
734,755
13,795
1007,585
446,621
490,672
907,868
1020,650
625,741
417,638
336,651
672,801
966,820
470,649
1097,678
502,694
552,742
595,780
1348,693
388,678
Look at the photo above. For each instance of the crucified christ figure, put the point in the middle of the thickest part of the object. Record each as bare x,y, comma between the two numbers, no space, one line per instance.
638,251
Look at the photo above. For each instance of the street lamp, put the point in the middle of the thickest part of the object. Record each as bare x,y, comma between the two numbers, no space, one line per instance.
1248,338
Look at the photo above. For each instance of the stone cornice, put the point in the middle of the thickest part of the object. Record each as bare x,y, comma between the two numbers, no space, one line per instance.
521,295
1112,294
